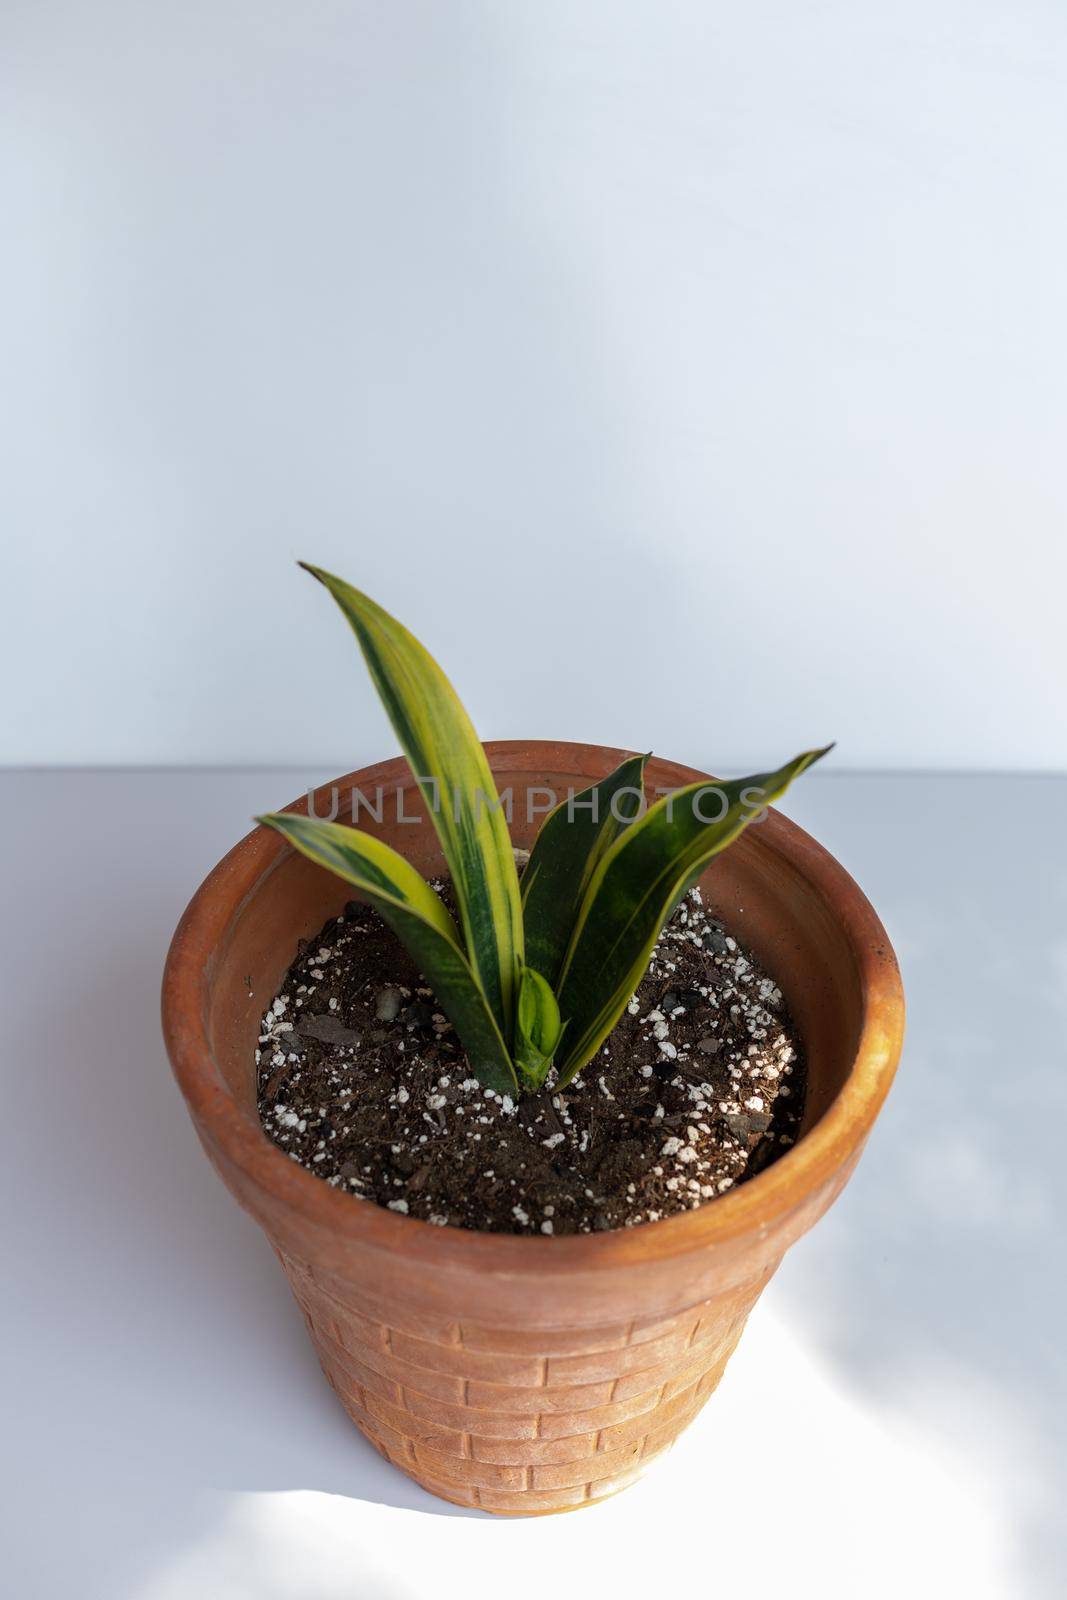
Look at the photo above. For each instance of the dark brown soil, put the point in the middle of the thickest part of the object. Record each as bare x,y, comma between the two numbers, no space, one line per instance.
362,1080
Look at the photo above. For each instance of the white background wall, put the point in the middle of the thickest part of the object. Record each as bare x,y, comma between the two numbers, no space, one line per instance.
686,374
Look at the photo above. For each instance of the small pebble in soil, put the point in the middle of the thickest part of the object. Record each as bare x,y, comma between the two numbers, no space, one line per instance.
363,1081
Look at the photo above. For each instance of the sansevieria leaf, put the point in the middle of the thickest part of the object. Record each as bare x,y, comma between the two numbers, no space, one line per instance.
573,840
420,919
634,889
453,774
537,1028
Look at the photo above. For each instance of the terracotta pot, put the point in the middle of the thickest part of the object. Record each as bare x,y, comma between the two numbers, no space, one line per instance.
530,1374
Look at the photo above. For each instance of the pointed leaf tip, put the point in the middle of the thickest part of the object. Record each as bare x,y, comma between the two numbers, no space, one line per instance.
320,574
457,786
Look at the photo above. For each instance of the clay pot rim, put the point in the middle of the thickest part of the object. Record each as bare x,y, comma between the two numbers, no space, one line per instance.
762,1202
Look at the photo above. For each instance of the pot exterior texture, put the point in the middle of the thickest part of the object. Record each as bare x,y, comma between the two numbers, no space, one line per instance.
531,1375
515,1418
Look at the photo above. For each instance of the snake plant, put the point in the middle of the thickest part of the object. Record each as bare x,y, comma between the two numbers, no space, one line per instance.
540,969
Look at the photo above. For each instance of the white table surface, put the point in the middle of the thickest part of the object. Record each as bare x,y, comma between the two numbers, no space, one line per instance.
891,1424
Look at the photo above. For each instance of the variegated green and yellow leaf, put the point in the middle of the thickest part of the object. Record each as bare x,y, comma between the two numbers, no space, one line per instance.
634,890
538,1028
573,840
449,763
420,919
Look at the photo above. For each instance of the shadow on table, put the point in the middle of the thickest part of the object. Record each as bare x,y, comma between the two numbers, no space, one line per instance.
162,1343
936,1285
174,1337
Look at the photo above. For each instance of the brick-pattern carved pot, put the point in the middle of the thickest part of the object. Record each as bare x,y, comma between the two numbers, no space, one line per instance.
530,1374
